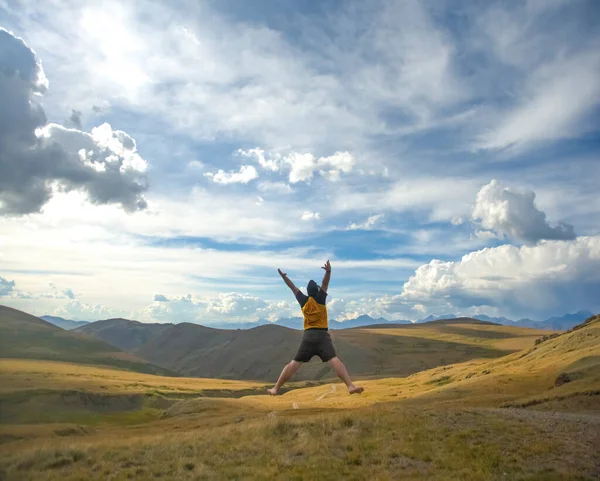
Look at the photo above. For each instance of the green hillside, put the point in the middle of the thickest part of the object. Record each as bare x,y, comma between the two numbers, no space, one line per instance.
24,336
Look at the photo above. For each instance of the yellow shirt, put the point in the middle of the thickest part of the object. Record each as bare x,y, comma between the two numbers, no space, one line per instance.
315,315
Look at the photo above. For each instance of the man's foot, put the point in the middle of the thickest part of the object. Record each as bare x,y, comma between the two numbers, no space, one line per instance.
272,391
356,389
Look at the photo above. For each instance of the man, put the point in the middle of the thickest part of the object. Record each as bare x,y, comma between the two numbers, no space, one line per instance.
316,340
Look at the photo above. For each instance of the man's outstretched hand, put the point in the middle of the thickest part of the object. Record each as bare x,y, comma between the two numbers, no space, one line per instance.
282,274
327,267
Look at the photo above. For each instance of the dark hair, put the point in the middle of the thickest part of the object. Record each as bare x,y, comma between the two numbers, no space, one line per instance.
312,289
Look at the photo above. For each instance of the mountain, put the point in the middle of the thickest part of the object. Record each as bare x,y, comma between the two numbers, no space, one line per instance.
65,324
384,349
363,321
291,322
435,318
237,325
298,323
497,320
124,334
568,321
23,336
562,323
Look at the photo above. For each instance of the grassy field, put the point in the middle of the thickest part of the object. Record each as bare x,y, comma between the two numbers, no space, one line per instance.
482,419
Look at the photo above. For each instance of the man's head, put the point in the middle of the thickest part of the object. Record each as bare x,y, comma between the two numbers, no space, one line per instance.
312,289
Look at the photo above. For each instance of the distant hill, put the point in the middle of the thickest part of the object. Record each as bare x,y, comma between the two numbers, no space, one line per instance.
124,334
568,321
298,323
65,324
260,353
559,323
364,320
435,318
25,336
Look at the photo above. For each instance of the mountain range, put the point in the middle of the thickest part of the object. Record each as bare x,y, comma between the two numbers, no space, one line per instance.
560,323
65,324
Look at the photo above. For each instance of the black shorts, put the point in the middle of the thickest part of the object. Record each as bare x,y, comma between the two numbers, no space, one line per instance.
315,342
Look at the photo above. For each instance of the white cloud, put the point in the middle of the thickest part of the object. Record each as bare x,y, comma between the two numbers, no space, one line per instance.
246,174
420,308
334,165
391,307
80,311
434,198
178,309
549,68
366,225
273,163
251,81
307,215
219,308
510,212
276,310
234,305
160,298
486,235
37,158
195,165
69,293
6,286
302,166
557,102
275,187
525,280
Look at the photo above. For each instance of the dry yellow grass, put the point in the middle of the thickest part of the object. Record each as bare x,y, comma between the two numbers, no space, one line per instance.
17,374
443,423
504,338
384,442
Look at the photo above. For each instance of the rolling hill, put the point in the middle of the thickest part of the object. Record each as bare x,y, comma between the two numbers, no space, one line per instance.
24,336
375,351
124,334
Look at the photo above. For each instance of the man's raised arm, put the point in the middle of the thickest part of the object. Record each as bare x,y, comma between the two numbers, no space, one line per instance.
289,283
326,277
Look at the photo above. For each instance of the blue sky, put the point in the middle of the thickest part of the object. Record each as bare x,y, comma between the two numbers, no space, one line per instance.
162,161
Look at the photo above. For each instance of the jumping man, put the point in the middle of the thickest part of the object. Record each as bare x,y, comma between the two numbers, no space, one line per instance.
316,340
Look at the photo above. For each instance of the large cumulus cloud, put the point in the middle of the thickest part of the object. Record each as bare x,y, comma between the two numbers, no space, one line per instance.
522,280
513,213
37,158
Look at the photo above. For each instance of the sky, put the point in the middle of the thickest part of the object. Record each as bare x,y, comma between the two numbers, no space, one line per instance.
160,161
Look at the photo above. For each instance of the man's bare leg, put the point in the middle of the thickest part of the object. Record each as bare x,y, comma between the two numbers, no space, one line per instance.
286,374
342,372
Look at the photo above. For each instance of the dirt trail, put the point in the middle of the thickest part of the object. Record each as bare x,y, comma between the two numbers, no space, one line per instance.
331,391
